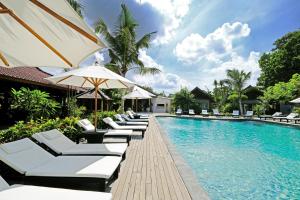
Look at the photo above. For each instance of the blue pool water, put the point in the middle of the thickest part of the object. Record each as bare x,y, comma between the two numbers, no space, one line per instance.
239,160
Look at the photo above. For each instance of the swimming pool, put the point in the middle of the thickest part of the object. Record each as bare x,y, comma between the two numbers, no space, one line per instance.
239,160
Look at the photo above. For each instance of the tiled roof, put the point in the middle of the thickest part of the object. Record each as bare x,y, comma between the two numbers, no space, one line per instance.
30,75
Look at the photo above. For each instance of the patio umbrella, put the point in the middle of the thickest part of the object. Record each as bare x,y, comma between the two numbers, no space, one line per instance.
43,33
92,77
137,94
296,101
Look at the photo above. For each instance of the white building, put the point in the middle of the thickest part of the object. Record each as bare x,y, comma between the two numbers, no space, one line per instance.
161,104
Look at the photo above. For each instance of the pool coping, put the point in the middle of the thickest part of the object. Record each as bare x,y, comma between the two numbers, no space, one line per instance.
193,186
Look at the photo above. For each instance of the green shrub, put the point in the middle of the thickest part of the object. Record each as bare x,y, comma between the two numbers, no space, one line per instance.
101,116
21,129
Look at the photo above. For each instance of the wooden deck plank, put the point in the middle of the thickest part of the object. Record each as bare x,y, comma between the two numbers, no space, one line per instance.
149,171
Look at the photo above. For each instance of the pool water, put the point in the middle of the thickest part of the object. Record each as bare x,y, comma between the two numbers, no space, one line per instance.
239,160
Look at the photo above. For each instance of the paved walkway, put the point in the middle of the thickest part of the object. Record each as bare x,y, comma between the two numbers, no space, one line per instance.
148,171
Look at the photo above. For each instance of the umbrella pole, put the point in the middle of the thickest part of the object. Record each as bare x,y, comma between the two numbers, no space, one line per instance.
96,89
136,105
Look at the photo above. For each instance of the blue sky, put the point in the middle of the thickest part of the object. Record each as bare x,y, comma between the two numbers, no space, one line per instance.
198,40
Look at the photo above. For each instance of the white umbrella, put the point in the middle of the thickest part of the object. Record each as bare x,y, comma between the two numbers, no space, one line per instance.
136,94
92,77
143,91
43,33
296,100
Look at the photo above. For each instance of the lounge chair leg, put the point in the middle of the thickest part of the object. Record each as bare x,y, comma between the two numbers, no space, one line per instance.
143,133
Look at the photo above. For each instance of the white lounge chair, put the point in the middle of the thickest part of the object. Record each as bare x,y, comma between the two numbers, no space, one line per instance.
132,115
179,111
115,126
235,113
191,112
276,114
122,121
204,113
29,192
128,119
38,165
62,145
139,114
288,118
217,113
249,114
96,137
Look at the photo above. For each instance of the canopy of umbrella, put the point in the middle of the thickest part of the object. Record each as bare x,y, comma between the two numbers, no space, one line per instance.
90,94
92,77
43,33
138,93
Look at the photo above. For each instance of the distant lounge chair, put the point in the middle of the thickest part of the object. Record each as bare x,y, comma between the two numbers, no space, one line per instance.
115,126
191,112
30,192
122,121
235,113
62,145
249,114
288,118
179,111
133,115
97,137
128,119
276,114
139,114
204,113
217,113
39,166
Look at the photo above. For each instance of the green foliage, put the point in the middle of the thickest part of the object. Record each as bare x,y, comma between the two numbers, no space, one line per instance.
34,102
74,109
282,62
296,110
21,129
259,109
283,91
183,99
101,116
123,48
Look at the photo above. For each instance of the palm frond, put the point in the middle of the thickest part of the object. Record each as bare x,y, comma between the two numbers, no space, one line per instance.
76,6
144,42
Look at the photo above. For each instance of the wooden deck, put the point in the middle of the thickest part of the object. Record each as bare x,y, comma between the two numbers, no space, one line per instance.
148,171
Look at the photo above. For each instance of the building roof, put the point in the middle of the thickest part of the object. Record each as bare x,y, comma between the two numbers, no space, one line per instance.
200,94
91,95
29,75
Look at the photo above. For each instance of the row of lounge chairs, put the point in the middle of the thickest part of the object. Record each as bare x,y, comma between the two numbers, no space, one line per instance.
205,113
279,116
49,161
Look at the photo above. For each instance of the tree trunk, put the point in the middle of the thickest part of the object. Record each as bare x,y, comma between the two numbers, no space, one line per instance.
241,106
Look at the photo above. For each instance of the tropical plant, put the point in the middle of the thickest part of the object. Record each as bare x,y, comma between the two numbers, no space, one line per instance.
123,48
76,6
183,99
282,62
101,116
220,94
35,103
236,80
73,108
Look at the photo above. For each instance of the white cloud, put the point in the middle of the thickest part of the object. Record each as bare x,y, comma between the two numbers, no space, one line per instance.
214,47
99,57
167,82
218,71
173,12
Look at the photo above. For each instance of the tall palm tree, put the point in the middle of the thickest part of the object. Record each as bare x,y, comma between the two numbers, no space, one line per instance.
76,6
237,80
122,46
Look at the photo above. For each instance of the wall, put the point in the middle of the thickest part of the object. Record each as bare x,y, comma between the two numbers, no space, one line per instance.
161,105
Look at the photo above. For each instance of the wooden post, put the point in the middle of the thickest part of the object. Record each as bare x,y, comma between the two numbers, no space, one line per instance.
96,89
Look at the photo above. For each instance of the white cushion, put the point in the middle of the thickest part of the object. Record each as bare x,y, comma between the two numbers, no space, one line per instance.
55,140
26,159
28,192
78,166
3,184
96,149
86,125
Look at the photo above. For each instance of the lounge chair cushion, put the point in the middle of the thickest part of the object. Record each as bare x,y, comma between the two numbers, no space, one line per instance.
25,159
86,125
113,124
78,166
29,192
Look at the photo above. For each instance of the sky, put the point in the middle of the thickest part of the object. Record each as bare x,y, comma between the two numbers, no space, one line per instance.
198,40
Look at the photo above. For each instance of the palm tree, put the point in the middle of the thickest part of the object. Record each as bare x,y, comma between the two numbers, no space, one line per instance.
76,6
122,46
236,80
